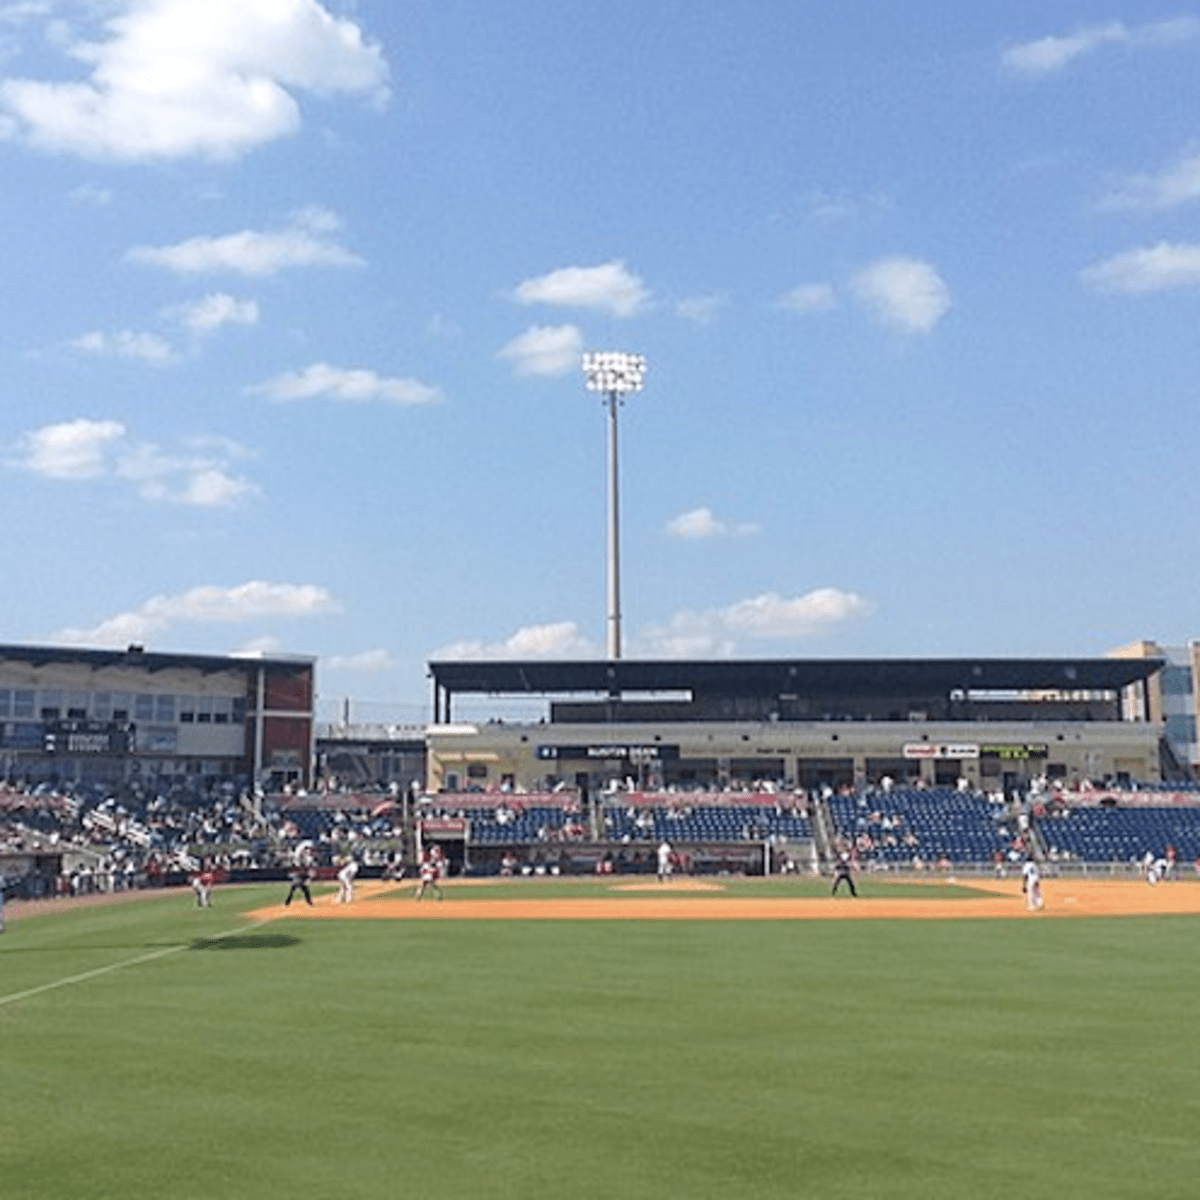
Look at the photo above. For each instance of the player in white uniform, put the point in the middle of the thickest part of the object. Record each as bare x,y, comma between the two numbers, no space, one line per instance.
1032,885
664,861
345,878
202,885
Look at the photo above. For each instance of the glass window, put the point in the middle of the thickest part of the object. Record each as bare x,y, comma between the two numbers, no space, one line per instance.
164,709
22,703
5,702
122,704
143,707
102,705
1176,681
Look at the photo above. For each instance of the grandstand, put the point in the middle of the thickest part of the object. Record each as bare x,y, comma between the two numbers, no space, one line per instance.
758,766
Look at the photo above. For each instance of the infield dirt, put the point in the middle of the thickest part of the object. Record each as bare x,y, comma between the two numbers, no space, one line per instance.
695,900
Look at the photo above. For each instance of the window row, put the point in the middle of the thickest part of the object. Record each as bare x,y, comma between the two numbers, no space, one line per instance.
54,704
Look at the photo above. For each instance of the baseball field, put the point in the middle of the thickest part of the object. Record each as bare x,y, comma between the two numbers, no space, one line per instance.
606,1038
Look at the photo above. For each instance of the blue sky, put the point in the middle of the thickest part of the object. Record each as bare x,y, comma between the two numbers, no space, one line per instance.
297,292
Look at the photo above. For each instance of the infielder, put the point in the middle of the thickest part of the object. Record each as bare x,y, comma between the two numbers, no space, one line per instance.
1031,885
345,878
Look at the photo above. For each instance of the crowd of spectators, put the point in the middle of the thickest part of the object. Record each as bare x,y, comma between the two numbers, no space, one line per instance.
75,839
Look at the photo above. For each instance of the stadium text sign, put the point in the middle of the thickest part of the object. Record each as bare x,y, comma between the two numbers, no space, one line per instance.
627,751
919,750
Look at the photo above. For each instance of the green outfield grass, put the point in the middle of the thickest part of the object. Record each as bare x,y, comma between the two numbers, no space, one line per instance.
864,1059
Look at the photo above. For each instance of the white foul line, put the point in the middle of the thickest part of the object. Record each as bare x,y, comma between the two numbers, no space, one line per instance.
129,962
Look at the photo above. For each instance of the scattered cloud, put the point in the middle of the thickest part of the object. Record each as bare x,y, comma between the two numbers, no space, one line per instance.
72,450
92,193
1044,56
720,632
701,310
198,474
700,523
561,640
904,293
306,241
546,350
609,288
127,343
208,604
808,298
358,386
829,207
1178,184
171,79
1152,269
366,661
212,312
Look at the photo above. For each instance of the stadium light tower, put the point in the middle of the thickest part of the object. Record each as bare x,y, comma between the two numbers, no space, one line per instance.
614,374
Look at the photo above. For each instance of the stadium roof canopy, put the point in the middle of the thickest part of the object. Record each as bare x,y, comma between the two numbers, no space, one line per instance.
800,677
146,660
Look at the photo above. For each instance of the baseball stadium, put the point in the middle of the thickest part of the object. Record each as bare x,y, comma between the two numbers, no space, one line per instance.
634,970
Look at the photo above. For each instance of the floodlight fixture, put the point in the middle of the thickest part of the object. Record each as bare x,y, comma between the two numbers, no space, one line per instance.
614,374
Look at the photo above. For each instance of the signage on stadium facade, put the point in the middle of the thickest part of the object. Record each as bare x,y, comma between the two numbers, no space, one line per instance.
624,750
88,737
916,750
1018,750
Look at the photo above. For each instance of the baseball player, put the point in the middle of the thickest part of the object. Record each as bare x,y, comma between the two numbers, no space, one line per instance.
202,885
431,873
1031,885
664,861
345,878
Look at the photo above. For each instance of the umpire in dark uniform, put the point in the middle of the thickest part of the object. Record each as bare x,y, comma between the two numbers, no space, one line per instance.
842,872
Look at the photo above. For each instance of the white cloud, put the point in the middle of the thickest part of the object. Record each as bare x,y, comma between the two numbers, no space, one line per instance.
720,632
701,310
127,343
1043,56
1151,269
700,523
1176,185
174,78
906,294
609,288
208,604
366,661
92,193
212,312
808,297
198,476
844,206
546,350
303,242
561,640
339,383
72,450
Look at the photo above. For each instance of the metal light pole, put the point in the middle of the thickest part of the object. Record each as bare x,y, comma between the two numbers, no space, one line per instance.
614,374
